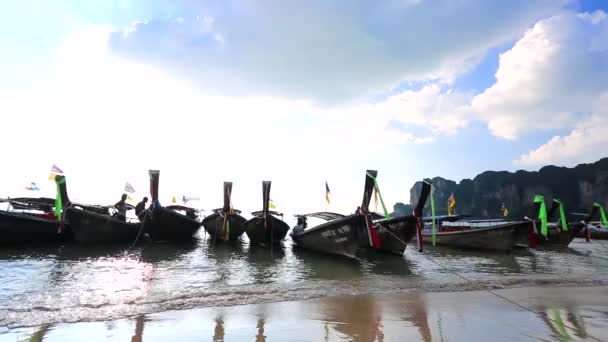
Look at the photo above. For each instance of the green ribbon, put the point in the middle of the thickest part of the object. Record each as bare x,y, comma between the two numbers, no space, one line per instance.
561,327
542,214
562,215
602,213
386,215
434,230
58,202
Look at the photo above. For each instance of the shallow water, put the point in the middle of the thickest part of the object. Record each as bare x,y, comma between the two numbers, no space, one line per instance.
73,284
555,314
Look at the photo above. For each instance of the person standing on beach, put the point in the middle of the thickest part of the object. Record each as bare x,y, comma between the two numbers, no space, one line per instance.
121,206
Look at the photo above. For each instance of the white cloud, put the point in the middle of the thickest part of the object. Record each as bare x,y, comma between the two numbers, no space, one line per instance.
325,52
106,120
584,144
549,78
440,111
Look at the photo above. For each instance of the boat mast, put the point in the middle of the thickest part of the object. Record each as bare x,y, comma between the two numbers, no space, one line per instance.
227,197
424,194
265,199
370,175
154,180
226,210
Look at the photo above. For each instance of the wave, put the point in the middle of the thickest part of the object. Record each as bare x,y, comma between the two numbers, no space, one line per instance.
191,298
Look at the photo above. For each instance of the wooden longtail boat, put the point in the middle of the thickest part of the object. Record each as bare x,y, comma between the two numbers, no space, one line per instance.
93,228
593,230
36,225
340,235
495,235
225,224
597,231
556,236
265,228
166,223
394,233
94,224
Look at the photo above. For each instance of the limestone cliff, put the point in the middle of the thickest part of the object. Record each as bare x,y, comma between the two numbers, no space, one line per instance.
577,187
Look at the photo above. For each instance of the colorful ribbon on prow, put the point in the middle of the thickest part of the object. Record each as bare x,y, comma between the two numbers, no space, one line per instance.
562,215
542,214
434,227
59,203
602,214
374,239
377,190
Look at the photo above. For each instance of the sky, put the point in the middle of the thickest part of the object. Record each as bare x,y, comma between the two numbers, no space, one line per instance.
298,92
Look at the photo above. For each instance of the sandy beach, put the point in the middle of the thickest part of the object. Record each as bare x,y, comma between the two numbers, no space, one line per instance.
556,313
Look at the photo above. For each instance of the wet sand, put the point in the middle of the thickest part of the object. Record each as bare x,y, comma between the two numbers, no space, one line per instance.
560,313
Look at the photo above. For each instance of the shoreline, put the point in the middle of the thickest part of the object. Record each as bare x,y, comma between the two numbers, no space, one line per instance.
416,315
496,283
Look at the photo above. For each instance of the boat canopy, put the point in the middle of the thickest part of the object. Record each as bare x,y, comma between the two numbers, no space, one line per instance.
100,209
259,213
182,207
30,202
324,215
219,210
447,218
40,203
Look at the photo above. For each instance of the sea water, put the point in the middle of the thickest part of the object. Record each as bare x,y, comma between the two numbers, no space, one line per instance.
74,283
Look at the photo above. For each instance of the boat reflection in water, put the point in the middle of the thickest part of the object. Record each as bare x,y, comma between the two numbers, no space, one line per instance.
39,333
358,319
139,329
564,323
218,334
418,315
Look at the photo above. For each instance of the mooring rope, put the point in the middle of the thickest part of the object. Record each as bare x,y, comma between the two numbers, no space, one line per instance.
521,306
396,237
141,228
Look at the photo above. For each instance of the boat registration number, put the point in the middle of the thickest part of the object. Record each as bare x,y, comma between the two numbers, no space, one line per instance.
335,232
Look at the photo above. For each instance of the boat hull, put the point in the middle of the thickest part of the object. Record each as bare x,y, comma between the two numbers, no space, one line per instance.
259,235
164,224
341,236
496,238
92,228
395,233
595,233
19,228
556,238
214,224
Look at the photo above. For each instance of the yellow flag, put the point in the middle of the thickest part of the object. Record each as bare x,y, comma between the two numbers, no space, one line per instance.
271,204
173,200
129,198
52,177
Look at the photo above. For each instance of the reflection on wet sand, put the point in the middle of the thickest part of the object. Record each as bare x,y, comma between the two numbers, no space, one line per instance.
218,334
565,324
38,335
139,329
260,337
417,314
359,318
